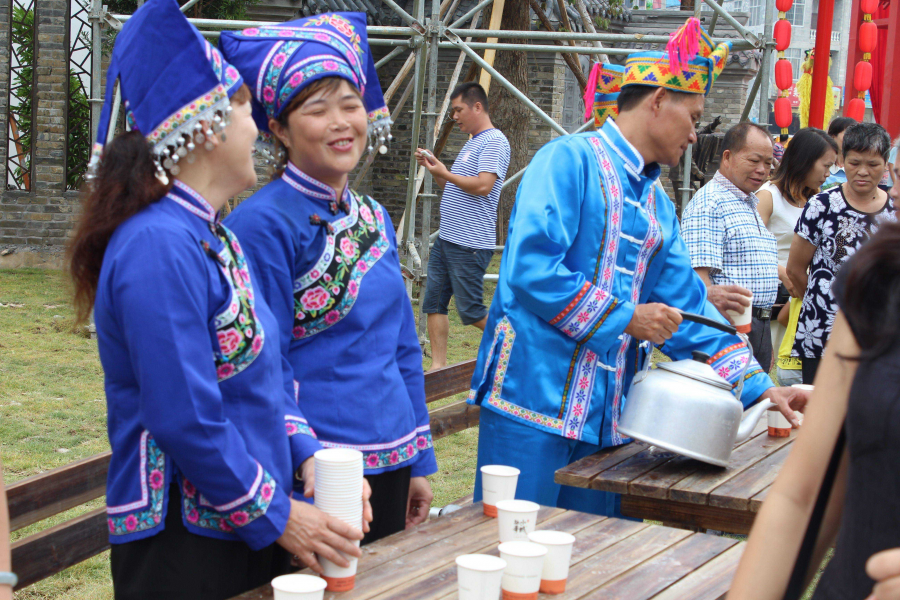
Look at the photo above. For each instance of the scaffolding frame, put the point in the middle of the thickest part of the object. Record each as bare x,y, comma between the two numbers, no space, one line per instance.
422,36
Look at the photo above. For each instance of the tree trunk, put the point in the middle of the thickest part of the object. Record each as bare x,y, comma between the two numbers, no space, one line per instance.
508,114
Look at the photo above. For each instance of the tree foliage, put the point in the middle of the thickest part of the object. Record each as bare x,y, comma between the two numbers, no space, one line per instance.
22,38
234,10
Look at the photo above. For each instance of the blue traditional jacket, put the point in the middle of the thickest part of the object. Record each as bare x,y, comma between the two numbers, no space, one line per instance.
330,271
195,381
591,235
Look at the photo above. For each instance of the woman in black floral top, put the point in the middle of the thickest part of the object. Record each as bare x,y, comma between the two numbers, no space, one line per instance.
834,224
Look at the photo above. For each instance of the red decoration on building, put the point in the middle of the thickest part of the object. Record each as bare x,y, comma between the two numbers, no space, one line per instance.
868,36
783,115
782,34
856,109
862,75
867,40
784,73
868,6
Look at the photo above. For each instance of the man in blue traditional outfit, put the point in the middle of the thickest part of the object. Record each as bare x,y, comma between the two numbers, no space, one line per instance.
594,263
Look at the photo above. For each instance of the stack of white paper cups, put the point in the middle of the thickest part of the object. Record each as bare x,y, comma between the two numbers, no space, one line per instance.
339,485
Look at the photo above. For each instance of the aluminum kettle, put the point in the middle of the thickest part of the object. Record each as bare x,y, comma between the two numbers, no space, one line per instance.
687,408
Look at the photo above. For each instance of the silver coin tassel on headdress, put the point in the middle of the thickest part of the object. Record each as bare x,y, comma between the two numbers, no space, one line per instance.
380,135
182,144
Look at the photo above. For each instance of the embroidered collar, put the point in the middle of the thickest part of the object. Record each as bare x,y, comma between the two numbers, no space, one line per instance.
191,201
725,183
314,188
634,162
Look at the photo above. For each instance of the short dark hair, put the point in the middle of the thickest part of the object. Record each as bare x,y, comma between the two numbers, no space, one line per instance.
471,93
736,137
867,137
631,96
801,155
839,124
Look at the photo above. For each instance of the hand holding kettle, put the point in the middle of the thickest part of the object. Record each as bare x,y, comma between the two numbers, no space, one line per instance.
655,322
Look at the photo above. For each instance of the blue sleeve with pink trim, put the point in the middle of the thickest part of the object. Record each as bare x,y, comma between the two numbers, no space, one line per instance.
161,289
409,359
680,286
540,236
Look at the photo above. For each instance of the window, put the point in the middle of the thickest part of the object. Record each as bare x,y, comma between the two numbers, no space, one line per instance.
758,13
22,46
78,113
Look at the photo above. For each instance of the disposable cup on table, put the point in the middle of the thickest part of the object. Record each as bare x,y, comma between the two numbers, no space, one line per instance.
524,565
743,321
498,482
339,579
556,564
478,576
779,426
299,587
516,519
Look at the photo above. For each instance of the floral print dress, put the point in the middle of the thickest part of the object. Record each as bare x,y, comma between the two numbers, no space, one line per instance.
837,230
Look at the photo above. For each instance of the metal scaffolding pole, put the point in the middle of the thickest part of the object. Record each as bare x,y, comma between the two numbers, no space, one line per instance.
766,67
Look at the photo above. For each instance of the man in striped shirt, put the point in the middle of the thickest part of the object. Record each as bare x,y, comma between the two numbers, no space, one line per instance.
465,245
731,249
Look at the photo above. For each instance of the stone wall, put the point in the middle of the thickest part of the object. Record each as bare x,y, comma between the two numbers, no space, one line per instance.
36,222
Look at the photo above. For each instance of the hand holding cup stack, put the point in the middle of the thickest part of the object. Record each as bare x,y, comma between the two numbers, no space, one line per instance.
498,482
339,486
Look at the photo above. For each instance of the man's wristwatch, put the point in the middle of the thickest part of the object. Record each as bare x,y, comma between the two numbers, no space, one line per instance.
7,578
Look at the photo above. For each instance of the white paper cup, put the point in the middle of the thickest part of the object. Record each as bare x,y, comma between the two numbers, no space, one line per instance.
743,321
339,579
556,564
498,482
524,565
478,576
779,426
516,519
804,386
299,587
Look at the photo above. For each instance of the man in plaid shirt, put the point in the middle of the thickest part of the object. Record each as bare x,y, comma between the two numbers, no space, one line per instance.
731,248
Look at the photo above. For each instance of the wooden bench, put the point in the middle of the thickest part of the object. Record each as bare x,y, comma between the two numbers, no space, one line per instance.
47,494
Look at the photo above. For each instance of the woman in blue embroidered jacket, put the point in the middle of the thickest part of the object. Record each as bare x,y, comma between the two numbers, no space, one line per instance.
205,437
327,257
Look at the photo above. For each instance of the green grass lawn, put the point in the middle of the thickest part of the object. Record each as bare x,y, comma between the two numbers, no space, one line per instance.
53,409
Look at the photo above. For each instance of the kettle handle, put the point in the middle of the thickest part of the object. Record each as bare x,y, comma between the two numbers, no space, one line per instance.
708,322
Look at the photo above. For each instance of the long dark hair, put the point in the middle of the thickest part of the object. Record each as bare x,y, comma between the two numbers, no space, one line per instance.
870,292
801,155
125,184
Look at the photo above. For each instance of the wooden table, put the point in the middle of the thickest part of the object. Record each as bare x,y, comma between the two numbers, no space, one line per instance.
682,492
612,558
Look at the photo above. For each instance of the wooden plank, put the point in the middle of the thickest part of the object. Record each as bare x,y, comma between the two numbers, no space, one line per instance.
757,500
656,483
448,381
440,582
496,19
709,582
617,478
587,578
697,487
666,568
737,491
43,495
46,553
453,418
688,515
581,472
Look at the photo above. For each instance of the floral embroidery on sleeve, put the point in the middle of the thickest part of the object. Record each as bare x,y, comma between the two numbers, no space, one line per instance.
154,474
198,511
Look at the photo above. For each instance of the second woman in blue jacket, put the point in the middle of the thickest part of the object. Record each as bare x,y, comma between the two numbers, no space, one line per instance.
327,257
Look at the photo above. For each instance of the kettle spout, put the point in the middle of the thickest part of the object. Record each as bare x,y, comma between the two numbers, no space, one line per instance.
750,418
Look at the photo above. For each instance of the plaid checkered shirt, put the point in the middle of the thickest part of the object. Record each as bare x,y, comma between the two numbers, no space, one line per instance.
724,232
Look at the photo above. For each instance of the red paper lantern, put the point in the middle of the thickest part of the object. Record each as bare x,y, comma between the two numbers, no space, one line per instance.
868,6
782,34
862,76
785,5
783,116
856,109
868,36
784,74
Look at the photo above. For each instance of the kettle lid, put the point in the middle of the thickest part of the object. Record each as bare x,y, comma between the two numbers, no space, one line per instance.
696,368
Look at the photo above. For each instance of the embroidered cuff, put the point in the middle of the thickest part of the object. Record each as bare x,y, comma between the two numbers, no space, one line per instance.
729,363
585,313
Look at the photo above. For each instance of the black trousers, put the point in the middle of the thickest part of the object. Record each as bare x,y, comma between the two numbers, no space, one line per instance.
390,492
177,564
809,368
760,337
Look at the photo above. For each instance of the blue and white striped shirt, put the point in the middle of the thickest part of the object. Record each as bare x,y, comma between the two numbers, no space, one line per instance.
467,219
724,232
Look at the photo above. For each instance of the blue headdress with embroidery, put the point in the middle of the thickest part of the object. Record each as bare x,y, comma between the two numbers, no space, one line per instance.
170,80
279,61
